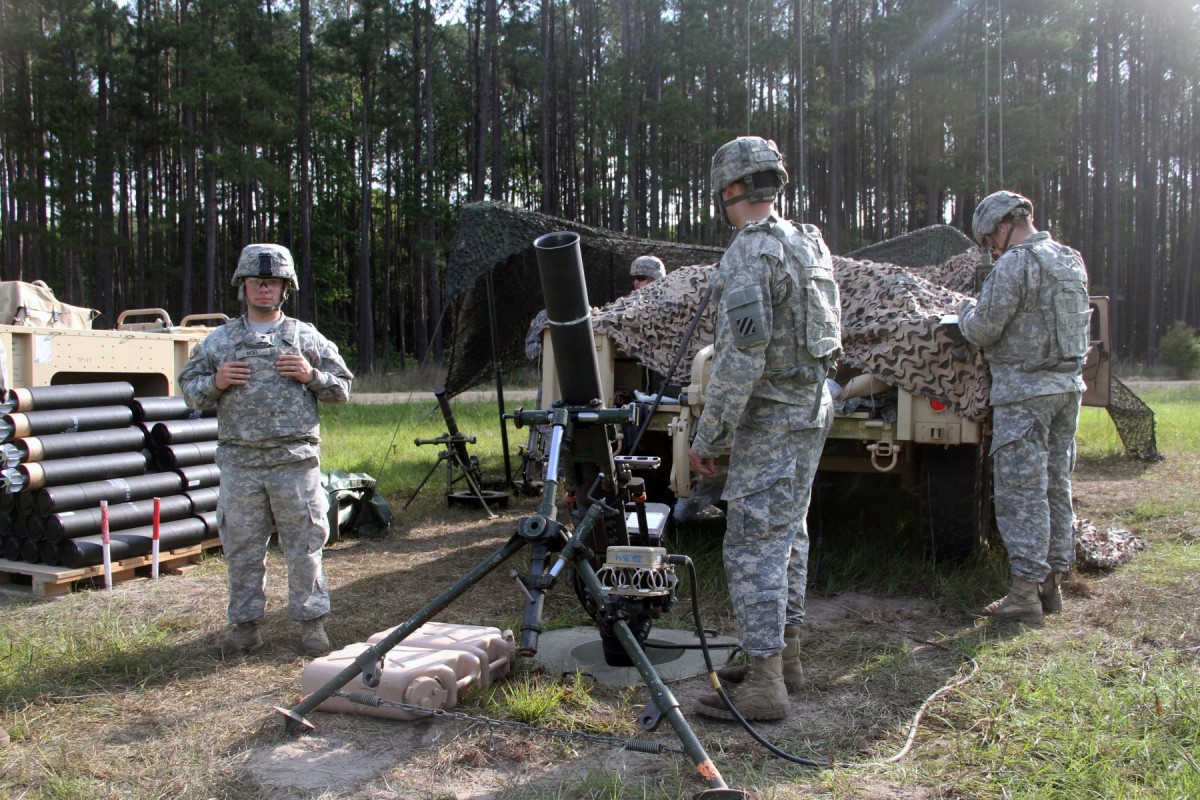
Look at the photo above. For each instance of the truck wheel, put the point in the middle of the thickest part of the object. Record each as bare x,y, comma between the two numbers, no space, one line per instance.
955,498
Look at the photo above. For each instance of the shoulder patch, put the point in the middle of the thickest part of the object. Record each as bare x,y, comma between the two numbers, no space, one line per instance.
744,313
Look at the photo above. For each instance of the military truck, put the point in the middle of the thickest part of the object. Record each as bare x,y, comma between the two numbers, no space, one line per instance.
933,441
47,342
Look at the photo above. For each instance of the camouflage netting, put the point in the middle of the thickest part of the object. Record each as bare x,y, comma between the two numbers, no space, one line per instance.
497,239
890,328
648,324
1134,421
921,248
890,311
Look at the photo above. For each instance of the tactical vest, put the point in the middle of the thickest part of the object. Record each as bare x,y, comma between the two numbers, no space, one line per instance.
1053,334
270,406
809,311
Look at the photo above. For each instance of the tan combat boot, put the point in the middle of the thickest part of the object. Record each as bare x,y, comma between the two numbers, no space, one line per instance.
244,637
762,696
1021,604
313,639
793,672
1051,593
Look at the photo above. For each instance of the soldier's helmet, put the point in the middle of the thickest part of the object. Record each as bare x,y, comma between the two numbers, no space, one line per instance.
648,267
266,261
994,208
752,159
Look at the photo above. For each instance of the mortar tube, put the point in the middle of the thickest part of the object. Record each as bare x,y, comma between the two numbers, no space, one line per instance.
456,438
569,317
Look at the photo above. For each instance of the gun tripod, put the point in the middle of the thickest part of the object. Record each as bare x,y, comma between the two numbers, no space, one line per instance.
460,466
546,536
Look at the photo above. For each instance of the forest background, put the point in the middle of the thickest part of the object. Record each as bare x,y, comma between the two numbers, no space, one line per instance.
144,142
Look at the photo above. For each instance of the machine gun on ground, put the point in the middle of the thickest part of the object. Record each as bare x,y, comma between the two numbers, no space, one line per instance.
621,572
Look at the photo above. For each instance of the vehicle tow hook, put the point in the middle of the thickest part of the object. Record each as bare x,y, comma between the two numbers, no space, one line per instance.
884,450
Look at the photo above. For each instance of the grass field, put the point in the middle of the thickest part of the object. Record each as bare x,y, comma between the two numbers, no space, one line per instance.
111,695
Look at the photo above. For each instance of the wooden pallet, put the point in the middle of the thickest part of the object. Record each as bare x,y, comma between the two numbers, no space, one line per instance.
46,581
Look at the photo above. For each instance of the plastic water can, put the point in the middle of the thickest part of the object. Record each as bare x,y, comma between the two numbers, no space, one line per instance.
496,650
415,676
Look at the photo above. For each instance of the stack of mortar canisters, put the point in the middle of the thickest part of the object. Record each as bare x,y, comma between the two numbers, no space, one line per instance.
67,448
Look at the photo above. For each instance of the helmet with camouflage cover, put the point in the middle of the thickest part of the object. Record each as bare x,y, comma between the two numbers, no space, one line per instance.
648,267
994,208
266,261
753,160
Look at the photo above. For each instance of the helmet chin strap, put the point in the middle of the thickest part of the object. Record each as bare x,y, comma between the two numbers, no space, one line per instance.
1007,239
264,309
725,204
998,250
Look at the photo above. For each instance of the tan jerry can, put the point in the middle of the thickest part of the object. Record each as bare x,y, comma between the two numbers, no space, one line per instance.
496,651
415,676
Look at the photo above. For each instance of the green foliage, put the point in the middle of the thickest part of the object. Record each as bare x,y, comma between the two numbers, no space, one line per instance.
1179,350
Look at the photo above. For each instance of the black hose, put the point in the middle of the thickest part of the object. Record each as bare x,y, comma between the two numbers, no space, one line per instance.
712,676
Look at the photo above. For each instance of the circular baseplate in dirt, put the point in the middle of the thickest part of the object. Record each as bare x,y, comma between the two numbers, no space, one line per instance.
570,650
467,498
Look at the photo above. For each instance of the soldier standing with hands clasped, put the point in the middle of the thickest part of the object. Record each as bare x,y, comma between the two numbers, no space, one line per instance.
1033,320
778,334
265,372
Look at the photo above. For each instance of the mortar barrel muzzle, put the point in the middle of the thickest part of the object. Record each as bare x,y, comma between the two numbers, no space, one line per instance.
569,314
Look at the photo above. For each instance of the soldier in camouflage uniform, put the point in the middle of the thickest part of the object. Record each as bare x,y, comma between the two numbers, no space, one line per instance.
778,334
1032,320
265,373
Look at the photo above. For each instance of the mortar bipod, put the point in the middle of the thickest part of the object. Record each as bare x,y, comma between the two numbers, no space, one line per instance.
458,460
544,535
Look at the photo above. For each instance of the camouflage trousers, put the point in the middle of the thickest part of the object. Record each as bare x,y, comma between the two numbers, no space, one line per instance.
289,498
1033,452
766,532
